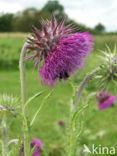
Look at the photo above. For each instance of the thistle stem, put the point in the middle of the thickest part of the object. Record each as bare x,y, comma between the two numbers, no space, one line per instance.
76,112
23,75
72,140
73,129
4,137
23,99
82,85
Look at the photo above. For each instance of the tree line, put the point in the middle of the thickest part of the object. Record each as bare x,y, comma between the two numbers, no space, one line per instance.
24,21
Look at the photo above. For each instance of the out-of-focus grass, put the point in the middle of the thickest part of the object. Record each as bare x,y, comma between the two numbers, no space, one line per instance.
13,35
100,126
11,44
102,40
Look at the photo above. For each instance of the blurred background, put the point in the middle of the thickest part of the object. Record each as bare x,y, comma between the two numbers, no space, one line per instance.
16,21
96,16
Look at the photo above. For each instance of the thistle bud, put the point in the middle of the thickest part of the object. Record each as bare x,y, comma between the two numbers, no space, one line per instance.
108,69
8,104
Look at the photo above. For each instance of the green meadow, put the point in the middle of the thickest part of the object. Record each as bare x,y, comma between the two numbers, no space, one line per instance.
99,127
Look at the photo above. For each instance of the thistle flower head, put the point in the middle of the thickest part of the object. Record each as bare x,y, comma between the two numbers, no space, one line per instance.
38,144
35,143
61,50
61,123
8,104
105,99
108,69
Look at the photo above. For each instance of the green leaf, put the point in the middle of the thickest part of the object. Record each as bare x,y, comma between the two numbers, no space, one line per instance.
101,57
32,98
114,82
108,48
105,53
41,105
77,113
98,76
32,150
80,130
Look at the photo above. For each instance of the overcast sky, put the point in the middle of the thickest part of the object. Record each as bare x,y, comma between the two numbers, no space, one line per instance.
89,12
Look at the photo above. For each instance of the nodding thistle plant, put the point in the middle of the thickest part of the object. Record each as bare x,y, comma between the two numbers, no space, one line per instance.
58,51
62,52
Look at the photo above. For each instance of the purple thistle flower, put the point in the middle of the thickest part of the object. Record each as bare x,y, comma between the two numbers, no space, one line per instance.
66,58
38,144
105,100
34,142
62,53
61,123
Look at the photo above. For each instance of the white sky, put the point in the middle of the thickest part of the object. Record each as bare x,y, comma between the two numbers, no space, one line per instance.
89,12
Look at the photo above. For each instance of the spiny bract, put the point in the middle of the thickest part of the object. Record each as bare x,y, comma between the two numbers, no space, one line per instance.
107,73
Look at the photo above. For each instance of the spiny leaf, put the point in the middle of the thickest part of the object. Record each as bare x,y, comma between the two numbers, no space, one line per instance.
108,48
98,76
32,150
115,50
32,98
114,82
41,105
105,53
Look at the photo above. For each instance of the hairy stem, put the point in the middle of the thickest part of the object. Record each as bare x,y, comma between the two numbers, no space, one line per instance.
4,137
82,85
73,129
23,75
76,111
23,99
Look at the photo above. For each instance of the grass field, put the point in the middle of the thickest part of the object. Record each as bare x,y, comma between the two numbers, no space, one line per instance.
99,127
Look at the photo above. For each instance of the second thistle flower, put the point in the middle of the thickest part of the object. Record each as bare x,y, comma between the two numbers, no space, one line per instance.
105,99
61,50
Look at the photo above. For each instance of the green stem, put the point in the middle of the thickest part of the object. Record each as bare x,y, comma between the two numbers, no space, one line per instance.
82,85
23,75
4,137
23,99
72,141
73,131
76,112
71,146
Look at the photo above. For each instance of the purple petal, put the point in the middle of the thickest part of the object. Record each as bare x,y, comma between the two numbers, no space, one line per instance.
107,103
